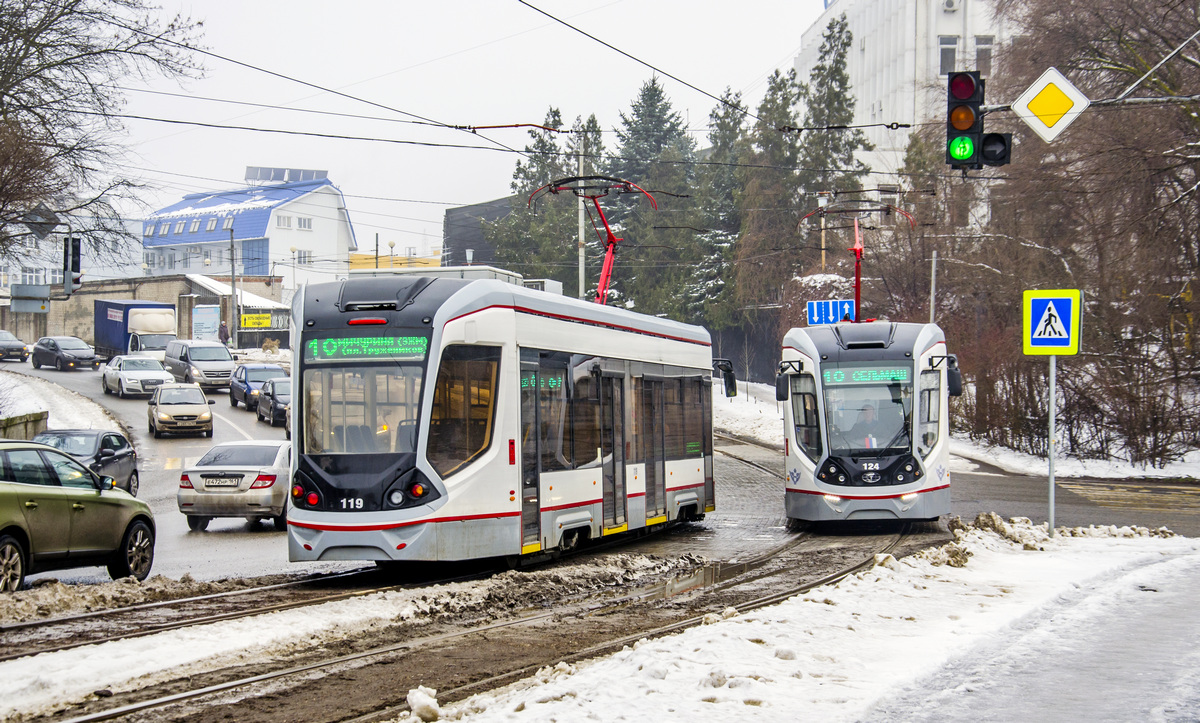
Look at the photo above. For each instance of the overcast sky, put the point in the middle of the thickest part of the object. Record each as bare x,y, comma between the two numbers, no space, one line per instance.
474,63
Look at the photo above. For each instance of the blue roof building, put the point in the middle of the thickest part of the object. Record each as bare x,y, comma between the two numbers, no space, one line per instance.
300,231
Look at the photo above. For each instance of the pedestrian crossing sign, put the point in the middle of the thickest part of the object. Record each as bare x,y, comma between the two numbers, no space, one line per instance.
1052,321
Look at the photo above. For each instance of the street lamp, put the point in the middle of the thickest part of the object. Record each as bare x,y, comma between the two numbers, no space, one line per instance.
391,247
294,249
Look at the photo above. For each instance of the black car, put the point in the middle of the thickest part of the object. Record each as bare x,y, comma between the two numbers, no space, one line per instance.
273,399
64,353
11,347
105,452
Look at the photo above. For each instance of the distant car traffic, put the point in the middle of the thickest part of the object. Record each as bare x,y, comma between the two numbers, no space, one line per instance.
247,382
55,513
128,375
276,394
237,479
64,353
11,347
179,409
106,452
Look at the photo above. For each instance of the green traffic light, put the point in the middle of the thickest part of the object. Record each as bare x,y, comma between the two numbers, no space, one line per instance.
962,148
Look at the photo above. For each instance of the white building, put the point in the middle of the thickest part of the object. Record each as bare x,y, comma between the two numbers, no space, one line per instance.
299,231
901,53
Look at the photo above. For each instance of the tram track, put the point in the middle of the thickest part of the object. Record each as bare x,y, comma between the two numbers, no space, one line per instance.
665,608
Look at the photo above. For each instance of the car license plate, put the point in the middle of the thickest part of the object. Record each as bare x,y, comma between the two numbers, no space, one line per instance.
221,481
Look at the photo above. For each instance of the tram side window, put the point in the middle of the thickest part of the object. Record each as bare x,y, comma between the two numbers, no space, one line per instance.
931,413
804,415
585,414
673,419
693,418
464,409
555,419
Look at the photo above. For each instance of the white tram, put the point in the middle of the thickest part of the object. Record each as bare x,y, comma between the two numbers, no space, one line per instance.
866,423
448,419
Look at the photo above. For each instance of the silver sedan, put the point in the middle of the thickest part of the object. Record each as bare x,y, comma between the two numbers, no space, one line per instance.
127,375
237,479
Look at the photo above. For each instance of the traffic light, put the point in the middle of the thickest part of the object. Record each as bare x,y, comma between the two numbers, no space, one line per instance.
964,120
72,273
996,149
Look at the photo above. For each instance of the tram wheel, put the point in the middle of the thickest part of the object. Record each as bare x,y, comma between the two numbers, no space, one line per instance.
569,541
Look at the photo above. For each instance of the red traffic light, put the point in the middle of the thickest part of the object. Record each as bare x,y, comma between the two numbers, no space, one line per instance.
962,85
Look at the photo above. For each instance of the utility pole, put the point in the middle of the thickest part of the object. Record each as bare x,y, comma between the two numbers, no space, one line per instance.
822,202
377,250
582,213
235,307
932,286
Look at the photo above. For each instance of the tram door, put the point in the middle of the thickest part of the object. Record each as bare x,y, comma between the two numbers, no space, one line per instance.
612,441
652,447
531,528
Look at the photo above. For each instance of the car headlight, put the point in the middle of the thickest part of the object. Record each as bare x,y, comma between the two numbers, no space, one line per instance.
164,417
205,416
254,392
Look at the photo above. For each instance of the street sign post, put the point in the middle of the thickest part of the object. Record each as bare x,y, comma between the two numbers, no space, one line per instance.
830,311
1052,322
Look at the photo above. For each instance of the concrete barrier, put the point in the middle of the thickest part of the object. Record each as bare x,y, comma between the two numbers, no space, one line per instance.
24,426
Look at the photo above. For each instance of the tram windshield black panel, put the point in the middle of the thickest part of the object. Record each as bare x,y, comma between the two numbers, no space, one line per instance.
868,408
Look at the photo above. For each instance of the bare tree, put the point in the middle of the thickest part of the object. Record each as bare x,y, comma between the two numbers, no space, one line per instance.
61,66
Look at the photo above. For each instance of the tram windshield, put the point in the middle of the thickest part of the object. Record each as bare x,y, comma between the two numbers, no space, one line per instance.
362,393
868,408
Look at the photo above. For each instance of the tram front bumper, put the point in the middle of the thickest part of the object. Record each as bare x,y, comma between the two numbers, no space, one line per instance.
827,507
309,541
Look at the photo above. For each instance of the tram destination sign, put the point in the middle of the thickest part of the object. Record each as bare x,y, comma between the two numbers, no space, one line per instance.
866,375
353,348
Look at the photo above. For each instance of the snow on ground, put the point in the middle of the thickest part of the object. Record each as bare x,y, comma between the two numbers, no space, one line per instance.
833,653
51,680
23,394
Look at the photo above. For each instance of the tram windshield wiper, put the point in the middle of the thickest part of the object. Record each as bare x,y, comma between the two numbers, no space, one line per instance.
884,451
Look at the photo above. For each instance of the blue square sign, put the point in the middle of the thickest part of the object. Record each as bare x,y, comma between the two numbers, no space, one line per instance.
1052,321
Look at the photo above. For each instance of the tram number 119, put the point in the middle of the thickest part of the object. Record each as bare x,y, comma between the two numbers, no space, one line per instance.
352,503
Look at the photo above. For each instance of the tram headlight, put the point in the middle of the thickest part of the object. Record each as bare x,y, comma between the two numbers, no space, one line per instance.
396,497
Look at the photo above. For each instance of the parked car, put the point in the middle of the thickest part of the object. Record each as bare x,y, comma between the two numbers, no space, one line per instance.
207,363
64,353
287,421
106,452
128,375
11,347
55,513
247,383
179,408
237,479
276,394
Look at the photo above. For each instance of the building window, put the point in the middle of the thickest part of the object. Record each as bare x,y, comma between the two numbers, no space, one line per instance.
56,276
149,230
304,257
304,223
207,256
212,225
283,222
171,260
947,52
195,226
186,261
228,223
983,54
149,259
179,226
163,228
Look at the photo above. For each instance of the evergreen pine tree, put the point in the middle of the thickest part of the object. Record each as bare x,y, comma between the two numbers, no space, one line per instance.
827,156
539,242
655,152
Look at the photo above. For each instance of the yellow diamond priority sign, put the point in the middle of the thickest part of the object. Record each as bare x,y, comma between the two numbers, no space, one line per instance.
1050,105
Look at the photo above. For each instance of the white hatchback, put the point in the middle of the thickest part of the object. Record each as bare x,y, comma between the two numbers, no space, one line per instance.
238,479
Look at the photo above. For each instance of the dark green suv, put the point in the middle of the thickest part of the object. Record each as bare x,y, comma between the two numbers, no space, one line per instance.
56,513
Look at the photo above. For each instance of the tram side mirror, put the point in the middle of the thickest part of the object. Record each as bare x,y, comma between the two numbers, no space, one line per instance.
953,378
781,387
728,380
